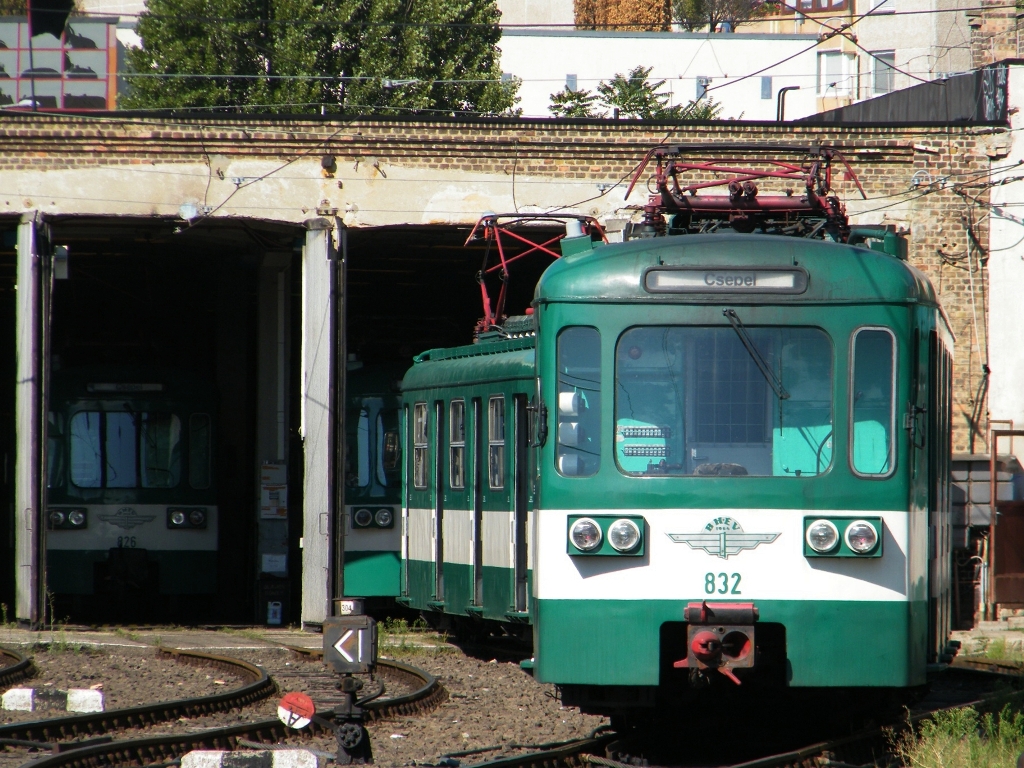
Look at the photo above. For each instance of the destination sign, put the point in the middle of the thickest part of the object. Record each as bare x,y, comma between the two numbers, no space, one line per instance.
725,280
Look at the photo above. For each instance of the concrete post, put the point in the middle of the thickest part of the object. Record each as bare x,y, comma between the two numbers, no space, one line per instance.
28,424
317,428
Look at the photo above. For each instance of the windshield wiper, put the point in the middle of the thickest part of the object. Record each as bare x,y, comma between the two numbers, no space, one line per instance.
762,364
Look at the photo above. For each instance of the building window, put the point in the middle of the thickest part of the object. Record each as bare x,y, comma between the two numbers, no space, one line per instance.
570,82
883,63
816,6
766,87
837,74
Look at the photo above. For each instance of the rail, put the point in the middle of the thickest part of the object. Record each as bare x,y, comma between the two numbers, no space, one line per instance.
260,686
871,747
150,750
16,668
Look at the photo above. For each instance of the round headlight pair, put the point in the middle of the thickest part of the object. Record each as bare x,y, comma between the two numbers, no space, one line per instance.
193,517
586,535
75,518
364,517
860,536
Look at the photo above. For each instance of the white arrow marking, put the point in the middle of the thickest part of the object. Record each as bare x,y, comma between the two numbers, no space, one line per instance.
338,646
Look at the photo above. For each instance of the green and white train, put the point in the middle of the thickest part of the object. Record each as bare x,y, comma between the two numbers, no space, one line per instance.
699,461
132,516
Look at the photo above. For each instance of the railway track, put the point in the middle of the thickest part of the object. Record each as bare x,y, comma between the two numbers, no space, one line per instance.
58,729
869,748
15,668
68,737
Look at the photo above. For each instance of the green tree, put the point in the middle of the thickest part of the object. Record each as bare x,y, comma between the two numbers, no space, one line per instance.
379,56
696,15
570,103
634,96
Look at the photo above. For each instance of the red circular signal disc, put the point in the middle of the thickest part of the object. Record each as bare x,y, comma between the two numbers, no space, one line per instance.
299,704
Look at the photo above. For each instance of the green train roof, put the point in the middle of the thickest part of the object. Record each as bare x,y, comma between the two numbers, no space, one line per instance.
837,272
472,364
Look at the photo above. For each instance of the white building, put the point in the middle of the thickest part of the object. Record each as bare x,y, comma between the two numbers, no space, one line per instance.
729,66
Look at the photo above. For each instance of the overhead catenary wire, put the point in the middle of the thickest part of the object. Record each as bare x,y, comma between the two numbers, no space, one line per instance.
471,25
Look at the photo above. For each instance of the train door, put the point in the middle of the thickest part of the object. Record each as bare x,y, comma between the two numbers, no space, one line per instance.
478,508
521,473
406,455
939,534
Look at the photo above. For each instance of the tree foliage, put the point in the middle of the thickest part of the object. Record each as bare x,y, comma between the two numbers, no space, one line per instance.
630,96
570,103
379,56
696,15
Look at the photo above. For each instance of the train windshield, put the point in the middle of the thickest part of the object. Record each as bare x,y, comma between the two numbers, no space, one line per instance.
723,401
122,449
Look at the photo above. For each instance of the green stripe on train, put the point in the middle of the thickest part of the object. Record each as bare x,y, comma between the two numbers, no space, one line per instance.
184,572
372,574
833,643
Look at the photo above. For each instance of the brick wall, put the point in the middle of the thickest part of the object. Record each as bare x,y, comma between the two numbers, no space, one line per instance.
941,222
995,33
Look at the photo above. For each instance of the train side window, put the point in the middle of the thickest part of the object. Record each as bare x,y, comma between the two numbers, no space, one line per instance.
119,449
86,454
55,458
578,452
496,442
873,402
160,450
379,456
363,449
457,443
199,459
420,470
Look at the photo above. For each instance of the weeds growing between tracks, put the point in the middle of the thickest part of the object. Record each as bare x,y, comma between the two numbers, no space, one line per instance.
961,738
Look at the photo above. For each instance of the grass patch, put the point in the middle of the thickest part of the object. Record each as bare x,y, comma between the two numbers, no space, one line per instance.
249,634
397,638
5,622
128,634
997,649
961,738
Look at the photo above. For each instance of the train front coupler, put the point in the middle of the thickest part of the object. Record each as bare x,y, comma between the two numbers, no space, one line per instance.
719,639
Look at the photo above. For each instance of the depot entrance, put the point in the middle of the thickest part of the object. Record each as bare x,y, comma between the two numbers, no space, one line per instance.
169,381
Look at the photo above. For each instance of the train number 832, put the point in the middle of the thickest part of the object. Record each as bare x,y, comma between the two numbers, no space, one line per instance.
719,583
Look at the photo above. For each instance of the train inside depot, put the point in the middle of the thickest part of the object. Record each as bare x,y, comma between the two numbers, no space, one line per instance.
715,455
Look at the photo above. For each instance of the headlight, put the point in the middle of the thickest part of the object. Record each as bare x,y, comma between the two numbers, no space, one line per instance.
822,536
177,517
585,534
362,517
624,535
56,519
861,536
383,517
197,517
76,517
